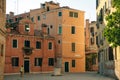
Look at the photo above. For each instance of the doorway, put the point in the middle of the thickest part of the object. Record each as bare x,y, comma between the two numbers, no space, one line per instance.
26,66
66,66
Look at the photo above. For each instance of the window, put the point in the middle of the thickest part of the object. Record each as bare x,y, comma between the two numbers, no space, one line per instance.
76,15
92,29
32,19
60,30
59,13
73,63
92,41
73,14
73,46
111,56
38,18
51,26
38,45
38,61
73,30
16,19
1,49
27,28
48,31
50,45
15,61
59,41
51,61
14,43
97,40
48,9
27,43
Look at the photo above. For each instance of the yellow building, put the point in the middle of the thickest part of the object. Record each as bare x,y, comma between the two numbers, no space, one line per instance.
67,26
2,36
109,58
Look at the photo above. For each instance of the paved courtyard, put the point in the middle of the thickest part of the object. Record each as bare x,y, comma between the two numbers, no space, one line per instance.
65,76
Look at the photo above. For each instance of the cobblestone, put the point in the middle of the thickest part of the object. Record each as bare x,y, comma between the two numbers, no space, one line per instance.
65,76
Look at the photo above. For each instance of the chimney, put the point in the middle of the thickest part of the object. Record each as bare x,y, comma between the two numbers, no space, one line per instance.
11,14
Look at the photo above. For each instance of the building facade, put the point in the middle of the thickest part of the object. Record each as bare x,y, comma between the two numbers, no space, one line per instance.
108,56
91,48
2,36
67,26
34,49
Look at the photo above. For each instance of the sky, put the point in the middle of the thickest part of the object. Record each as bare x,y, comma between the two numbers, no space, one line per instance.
21,6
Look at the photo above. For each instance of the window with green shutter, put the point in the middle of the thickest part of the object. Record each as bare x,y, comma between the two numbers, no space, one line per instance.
60,30
59,13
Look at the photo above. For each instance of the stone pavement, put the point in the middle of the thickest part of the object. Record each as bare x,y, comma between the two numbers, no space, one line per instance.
65,76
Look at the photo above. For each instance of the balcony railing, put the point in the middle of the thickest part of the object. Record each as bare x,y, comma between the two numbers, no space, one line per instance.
27,50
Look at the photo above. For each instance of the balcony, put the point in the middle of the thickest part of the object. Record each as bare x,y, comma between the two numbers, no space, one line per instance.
27,50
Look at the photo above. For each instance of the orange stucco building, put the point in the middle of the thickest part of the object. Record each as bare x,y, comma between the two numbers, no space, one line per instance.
66,25
33,49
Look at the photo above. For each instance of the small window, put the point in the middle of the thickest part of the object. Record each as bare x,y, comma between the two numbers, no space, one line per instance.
60,30
1,49
59,41
51,61
71,14
50,45
38,45
38,18
59,13
27,28
14,43
73,30
48,8
16,19
76,15
48,31
97,40
92,41
73,46
111,56
92,29
51,26
15,61
73,63
32,19
38,61
27,43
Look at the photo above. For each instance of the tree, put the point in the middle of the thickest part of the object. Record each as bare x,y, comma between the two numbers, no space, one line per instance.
112,29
